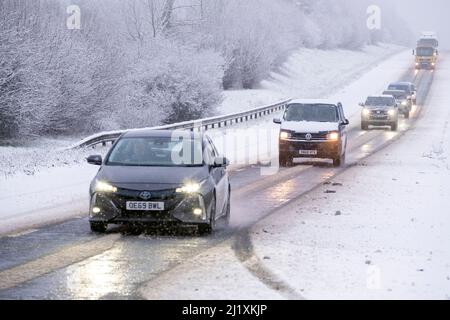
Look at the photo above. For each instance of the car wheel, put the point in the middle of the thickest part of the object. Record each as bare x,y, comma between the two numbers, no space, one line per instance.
227,217
406,114
284,161
98,227
364,126
339,160
394,126
208,228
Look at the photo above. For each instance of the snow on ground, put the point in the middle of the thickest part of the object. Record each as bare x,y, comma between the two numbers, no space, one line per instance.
52,194
309,73
202,284
384,234
32,195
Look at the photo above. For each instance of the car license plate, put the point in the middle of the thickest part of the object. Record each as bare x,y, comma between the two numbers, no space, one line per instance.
145,206
308,152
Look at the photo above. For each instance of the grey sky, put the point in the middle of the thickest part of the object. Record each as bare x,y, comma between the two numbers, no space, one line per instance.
427,15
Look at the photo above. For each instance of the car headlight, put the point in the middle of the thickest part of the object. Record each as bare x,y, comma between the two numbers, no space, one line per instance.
391,112
101,186
404,103
285,135
366,112
189,188
333,136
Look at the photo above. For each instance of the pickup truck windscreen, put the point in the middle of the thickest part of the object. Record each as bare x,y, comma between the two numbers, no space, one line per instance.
311,112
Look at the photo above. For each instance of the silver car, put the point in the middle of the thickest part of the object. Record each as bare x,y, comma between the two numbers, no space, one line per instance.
380,111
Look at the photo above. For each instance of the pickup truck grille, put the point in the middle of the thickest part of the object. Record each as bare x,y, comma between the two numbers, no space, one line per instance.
314,136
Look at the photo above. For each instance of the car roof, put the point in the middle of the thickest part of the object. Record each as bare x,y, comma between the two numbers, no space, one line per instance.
401,83
145,133
394,91
382,96
313,101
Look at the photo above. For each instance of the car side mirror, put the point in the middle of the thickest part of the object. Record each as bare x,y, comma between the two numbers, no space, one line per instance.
277,120
95,160
345,122
361,104
221,162
414,52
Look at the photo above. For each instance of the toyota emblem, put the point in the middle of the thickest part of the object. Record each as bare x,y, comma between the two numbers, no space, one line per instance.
308,136
145,195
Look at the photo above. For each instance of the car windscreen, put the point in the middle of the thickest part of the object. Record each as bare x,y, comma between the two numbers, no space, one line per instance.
425,52
379,101
311,112
397,94
157,151
402,87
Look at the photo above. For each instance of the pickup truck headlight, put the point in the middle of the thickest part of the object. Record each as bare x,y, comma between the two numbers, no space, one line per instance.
404,103
333,136
285,135
366,112
391,112
102,186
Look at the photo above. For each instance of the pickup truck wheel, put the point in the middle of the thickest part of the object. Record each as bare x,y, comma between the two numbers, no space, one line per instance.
364,126
339,160
284,161
394,126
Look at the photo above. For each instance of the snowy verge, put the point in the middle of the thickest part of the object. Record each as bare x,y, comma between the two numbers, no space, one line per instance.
310,73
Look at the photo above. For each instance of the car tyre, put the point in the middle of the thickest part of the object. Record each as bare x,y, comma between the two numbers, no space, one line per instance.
394,126
208,228
406,114
98,227
285,161
364,126
227,217
339,160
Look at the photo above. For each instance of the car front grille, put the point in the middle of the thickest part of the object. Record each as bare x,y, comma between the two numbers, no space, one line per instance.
378,113
314,136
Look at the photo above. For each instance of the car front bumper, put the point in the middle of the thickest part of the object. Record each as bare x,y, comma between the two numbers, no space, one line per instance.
179,209
382,120
325,149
